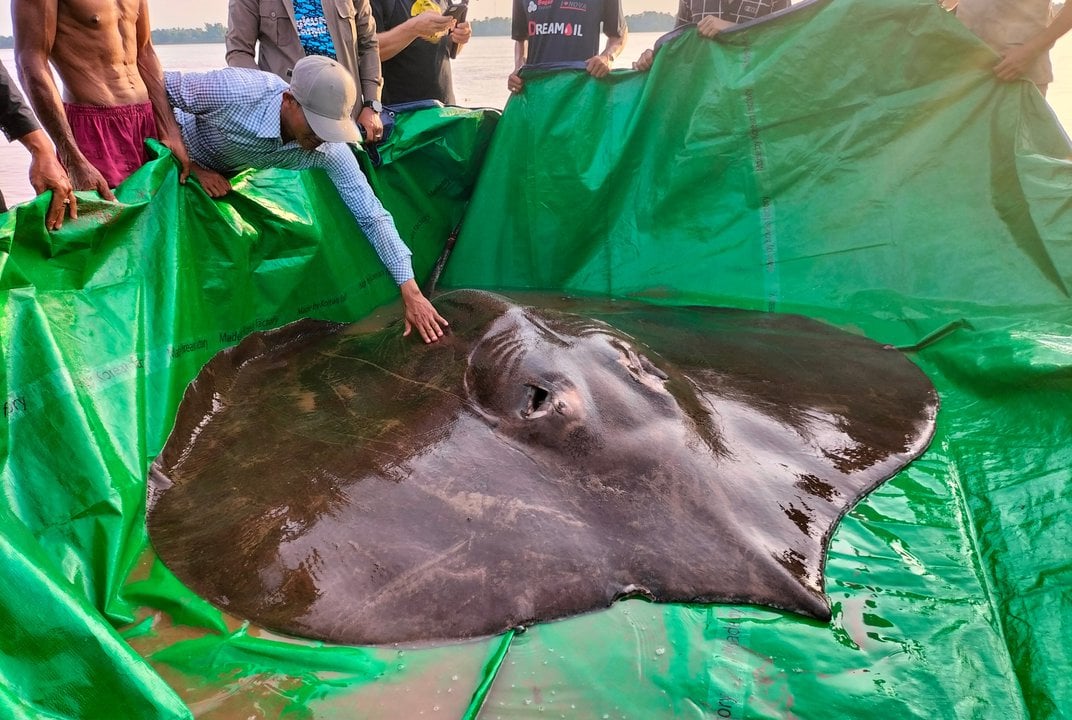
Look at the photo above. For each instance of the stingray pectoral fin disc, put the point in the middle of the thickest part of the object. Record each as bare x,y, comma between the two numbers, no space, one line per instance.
534,464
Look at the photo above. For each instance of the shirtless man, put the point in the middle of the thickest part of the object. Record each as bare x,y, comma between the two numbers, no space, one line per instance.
113,87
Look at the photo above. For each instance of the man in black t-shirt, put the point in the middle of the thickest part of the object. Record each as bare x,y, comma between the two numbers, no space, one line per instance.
549,31
416,39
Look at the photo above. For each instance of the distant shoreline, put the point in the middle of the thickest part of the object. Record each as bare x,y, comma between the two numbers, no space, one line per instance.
213,33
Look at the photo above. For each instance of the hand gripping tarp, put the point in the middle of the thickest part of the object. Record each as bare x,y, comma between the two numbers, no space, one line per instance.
853,160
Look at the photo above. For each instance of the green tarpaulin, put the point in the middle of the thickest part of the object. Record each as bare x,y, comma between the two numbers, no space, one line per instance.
852,160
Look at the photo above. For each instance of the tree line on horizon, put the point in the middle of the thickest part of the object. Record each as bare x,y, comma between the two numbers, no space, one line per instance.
490,27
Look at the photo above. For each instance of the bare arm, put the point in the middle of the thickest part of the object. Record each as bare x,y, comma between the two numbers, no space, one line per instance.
395,40
1017,61
521,52
514,83
1061,24
614,27
615,45
426,25
152,74
35,32
46,174
243,27
599,65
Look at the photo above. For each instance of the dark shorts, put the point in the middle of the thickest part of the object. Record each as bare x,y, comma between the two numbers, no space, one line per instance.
112,138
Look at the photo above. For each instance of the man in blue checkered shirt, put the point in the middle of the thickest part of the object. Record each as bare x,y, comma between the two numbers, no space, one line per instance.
714,16
238,118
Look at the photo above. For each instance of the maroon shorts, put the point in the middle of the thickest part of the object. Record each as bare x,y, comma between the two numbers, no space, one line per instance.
112,138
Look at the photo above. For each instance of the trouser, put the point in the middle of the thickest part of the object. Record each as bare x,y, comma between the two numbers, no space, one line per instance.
112,138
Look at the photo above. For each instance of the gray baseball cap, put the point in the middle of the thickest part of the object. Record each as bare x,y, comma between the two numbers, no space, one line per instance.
326,92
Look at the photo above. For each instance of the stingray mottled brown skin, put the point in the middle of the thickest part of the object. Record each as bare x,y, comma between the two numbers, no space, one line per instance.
365,488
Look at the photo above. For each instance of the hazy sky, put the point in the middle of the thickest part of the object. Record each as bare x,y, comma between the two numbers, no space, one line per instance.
195,13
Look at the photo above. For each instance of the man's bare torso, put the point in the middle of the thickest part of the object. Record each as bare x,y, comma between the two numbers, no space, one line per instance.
95,51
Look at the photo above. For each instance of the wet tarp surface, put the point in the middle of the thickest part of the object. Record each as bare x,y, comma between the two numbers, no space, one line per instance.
852,160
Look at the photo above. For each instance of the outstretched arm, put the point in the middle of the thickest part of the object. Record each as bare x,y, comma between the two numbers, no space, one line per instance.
35,32
379,227
1018,60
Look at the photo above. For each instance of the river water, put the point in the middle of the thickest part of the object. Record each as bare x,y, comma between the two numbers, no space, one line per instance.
479,81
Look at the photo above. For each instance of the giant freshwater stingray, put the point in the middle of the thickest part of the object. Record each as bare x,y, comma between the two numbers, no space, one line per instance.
363,488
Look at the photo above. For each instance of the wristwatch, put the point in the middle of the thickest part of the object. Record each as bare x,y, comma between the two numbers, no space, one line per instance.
376,105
